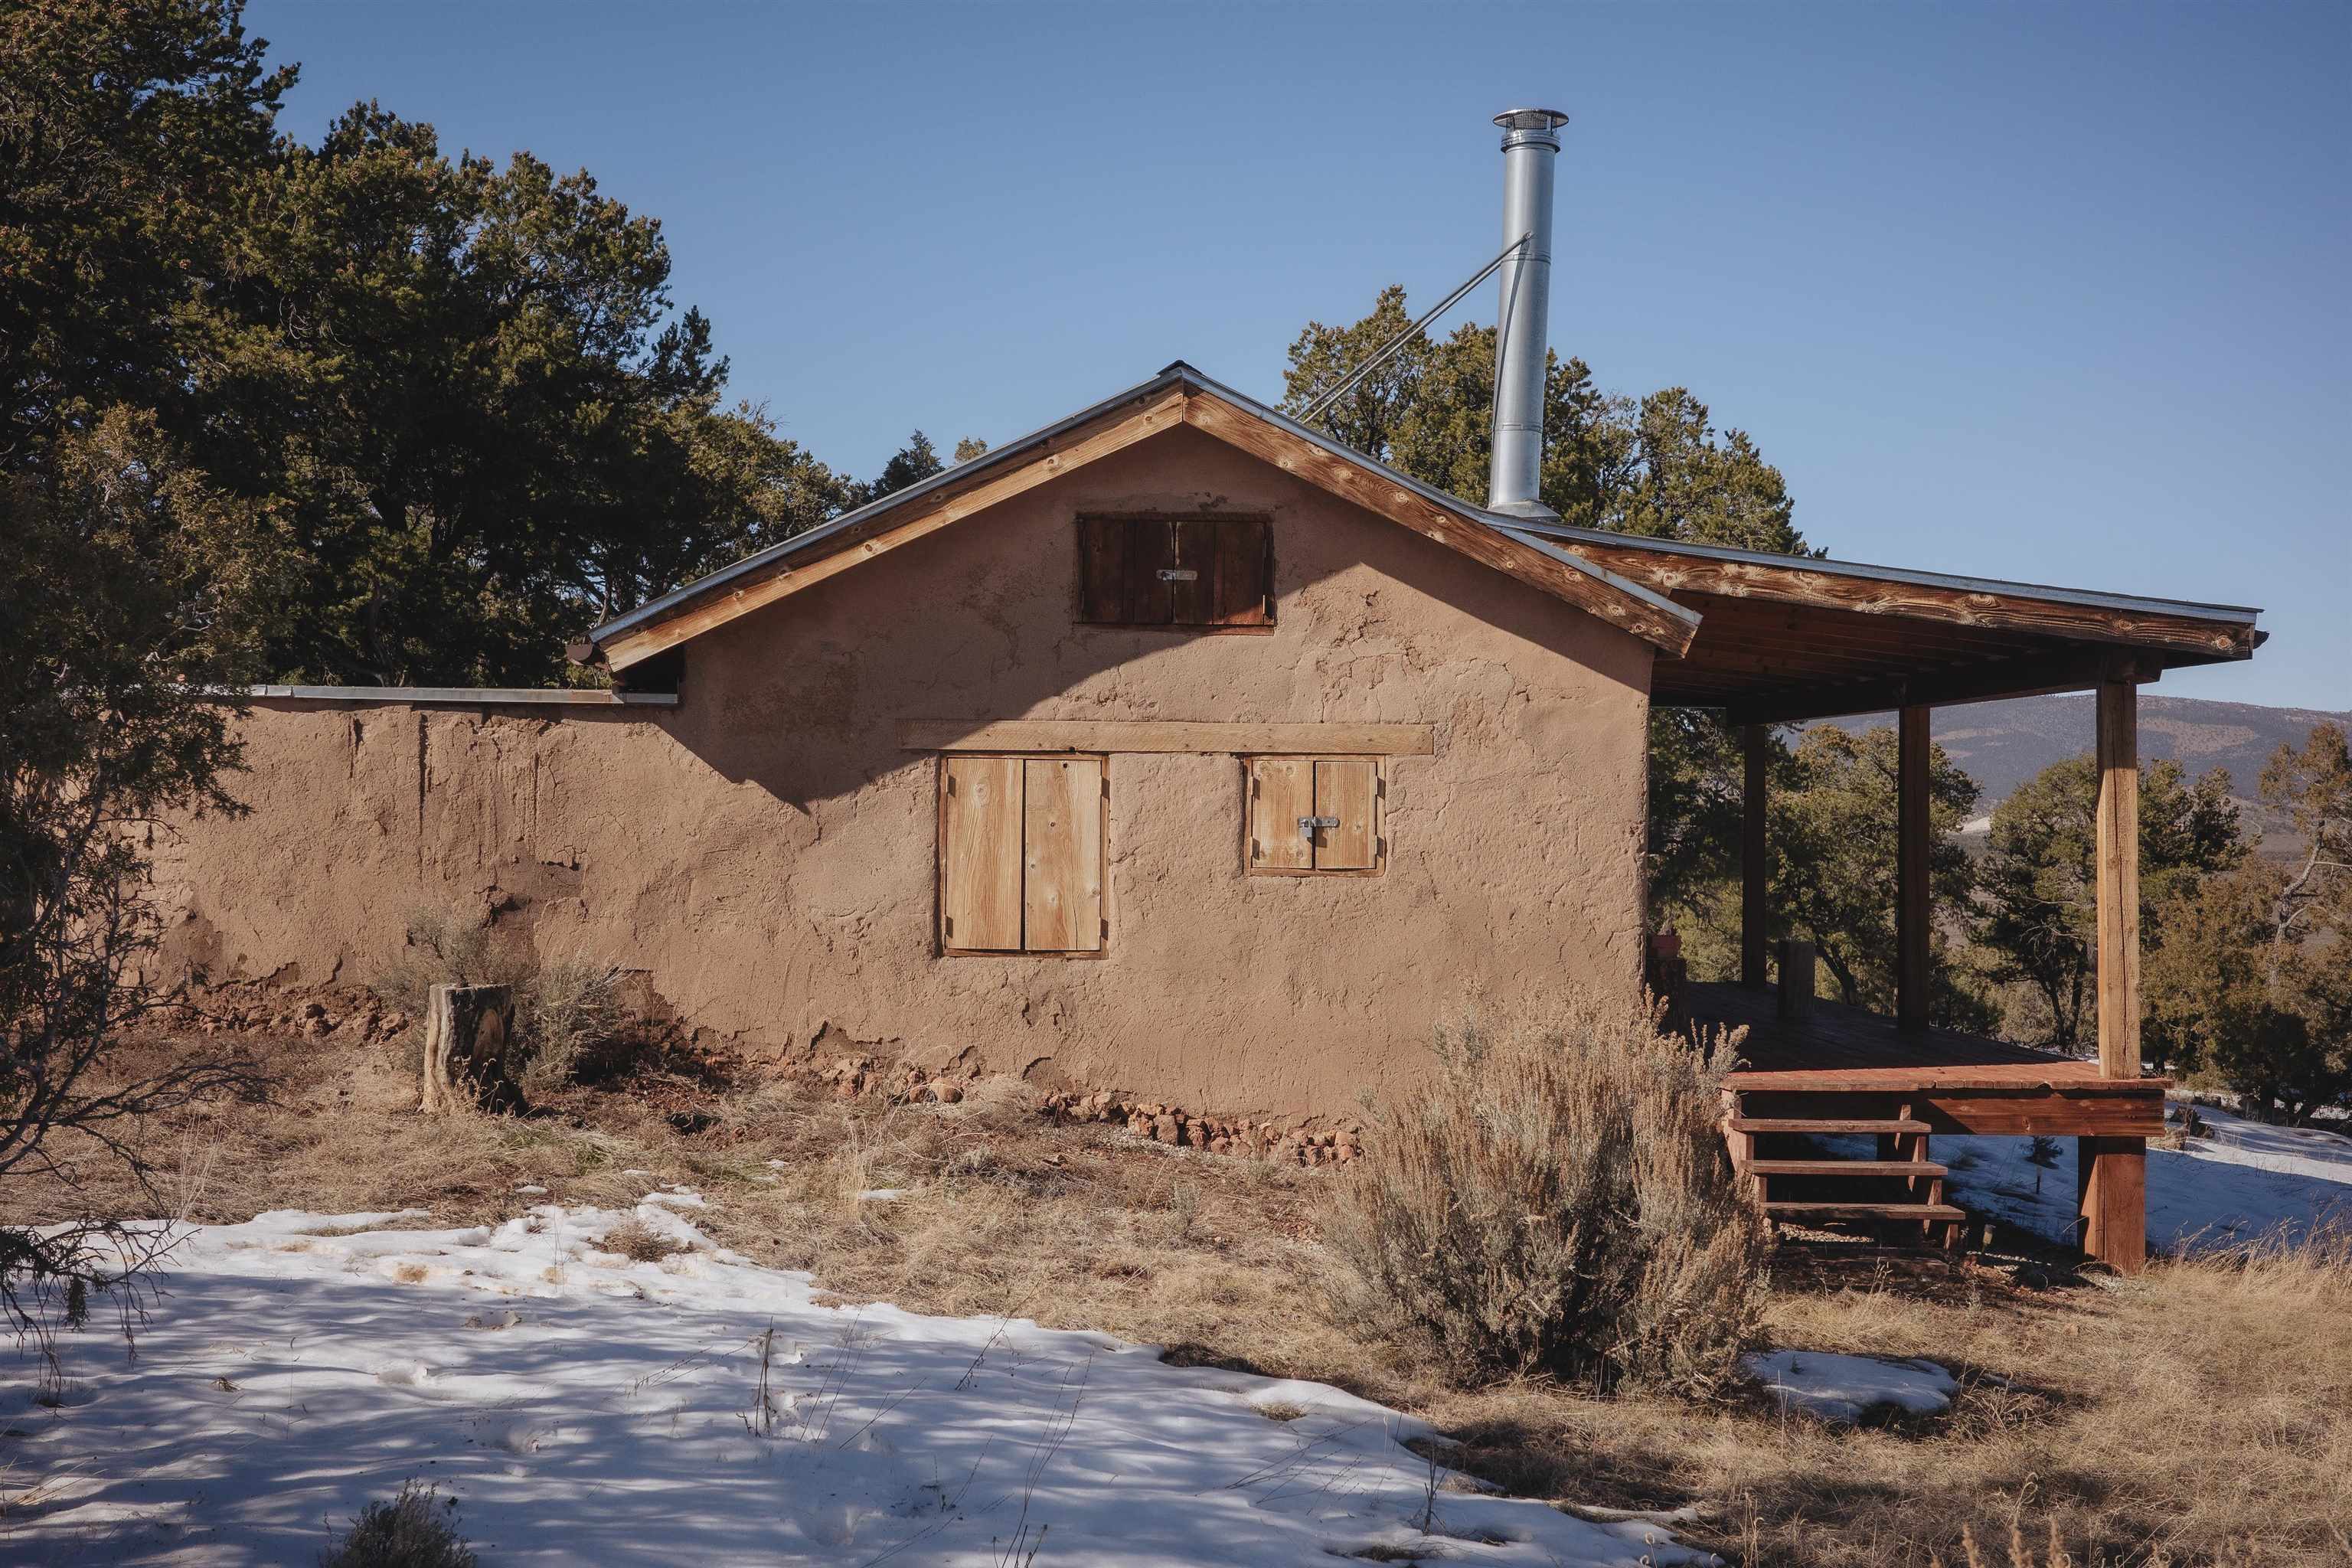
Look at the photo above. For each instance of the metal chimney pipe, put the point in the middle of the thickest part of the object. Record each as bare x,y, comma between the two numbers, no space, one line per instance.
1522,330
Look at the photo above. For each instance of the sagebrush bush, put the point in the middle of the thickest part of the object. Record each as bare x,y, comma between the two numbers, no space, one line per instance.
566,1008
415,1530
1559,1201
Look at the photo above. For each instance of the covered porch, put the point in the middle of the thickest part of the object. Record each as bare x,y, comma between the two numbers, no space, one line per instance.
1785,640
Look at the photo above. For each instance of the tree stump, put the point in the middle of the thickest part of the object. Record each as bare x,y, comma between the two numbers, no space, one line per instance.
466,1028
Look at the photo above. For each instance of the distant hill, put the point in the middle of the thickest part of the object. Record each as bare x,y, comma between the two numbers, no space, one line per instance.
2002,745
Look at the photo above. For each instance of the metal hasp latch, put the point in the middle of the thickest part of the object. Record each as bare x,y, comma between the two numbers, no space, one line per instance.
1178,575
1307,825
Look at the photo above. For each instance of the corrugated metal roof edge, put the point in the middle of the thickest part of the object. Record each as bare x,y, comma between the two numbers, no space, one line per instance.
2195,609
1521,530
465,696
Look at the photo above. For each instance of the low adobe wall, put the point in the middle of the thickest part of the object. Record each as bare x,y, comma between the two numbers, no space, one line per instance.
764,852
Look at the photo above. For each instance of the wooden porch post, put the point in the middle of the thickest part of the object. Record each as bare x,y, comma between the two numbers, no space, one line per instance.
2114,1171
1912,838
1754,862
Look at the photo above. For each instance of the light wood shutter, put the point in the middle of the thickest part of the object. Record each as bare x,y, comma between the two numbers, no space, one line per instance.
979,854
1282,789
1062,881
1345,789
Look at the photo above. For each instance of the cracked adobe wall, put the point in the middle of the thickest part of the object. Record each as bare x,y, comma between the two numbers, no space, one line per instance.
765,852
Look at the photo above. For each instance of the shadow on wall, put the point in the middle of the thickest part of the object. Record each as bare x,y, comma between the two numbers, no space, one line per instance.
978,621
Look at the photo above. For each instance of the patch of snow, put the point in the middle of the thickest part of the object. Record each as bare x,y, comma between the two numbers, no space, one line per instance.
2246,1182
881,1195
527,1187
2321,1152
684,1197
1846,1388
613,1421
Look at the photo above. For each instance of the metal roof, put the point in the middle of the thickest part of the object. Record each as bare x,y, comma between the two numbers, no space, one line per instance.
2238,614
1177,373
1545,536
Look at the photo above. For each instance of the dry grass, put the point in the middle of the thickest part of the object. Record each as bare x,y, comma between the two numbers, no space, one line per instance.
2200,1415
639,1243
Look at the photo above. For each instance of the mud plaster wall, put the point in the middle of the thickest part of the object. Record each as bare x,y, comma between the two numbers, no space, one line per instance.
765,852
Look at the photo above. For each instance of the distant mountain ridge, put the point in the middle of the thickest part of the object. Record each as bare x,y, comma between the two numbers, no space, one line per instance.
2002,745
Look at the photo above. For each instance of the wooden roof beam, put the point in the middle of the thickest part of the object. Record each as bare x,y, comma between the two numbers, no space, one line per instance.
1989,682
1822,586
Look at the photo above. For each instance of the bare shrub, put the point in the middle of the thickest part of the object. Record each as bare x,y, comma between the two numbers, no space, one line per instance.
415,1530
1560,1201
567,1008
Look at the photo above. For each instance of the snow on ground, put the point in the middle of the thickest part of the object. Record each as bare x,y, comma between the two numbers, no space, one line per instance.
583,1409
2247,1181
1848,1387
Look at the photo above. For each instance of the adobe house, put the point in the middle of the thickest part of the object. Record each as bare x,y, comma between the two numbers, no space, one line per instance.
1178,749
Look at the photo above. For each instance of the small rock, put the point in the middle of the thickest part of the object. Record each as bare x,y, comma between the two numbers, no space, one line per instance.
1164,1129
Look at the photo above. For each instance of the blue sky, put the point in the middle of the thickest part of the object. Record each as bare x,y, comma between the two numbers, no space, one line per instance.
2050,292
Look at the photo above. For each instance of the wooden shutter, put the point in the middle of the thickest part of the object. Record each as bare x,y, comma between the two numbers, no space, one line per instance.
1102,568
1062,882
1150,549
979,854
1346,789
1245,580
1282,789
1193,600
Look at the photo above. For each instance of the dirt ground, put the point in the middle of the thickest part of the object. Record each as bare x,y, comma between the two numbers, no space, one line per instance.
2201,1414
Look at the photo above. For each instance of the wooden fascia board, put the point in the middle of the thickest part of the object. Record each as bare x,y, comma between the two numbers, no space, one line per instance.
1072,450
1342,739
1354,482
1665,572
2032,677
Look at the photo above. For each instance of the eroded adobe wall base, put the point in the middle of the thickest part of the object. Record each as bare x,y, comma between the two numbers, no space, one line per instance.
764,853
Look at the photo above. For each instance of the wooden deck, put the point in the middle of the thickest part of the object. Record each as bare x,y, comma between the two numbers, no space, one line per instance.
1956,1082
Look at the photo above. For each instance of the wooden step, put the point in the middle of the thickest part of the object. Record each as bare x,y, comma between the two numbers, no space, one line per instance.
1801,1212
1823,1124
1842,1168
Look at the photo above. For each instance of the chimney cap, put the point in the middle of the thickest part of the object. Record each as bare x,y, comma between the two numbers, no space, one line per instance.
1531,119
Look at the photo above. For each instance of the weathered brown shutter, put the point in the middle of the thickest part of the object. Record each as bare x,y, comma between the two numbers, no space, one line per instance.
1192,594
1061,884
1102,568
1244,562
1282,789
979,854
1345,789
1150,550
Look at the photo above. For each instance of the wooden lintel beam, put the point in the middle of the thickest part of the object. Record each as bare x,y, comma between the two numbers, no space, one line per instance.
1338,739
1987,682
